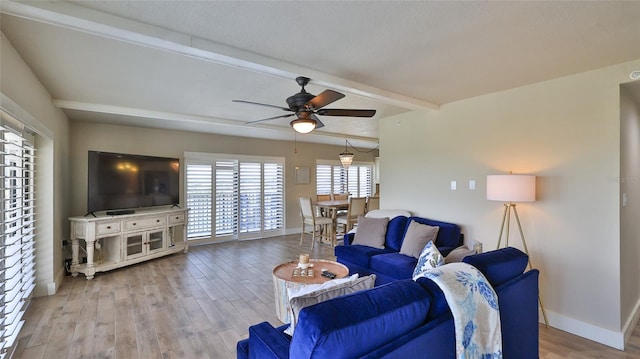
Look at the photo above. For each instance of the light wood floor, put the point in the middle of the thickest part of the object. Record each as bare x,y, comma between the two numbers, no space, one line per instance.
195,305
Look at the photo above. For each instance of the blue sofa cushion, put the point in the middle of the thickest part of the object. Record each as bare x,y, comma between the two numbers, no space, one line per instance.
358,254
448,235
499,266
394,264
397,308
395,232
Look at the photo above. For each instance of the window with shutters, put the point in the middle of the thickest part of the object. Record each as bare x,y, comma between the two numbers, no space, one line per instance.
248,192
357,180
17,221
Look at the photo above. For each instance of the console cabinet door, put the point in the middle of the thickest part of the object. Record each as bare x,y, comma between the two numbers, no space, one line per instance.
134,246
155,241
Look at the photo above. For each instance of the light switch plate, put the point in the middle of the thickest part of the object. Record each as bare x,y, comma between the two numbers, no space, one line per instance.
472,185
454,185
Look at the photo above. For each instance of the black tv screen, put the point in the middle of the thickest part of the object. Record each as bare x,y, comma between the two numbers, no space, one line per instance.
125,181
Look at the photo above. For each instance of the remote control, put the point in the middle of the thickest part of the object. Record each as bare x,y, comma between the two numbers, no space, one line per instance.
328,274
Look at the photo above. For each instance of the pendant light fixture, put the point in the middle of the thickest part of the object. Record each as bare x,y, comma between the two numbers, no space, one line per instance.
346,157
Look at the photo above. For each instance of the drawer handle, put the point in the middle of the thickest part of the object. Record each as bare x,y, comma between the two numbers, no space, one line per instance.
157,221
108,227
134,223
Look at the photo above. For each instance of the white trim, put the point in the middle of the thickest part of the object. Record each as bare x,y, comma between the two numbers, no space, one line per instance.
632,321
337,163
205,156
614,339
14,110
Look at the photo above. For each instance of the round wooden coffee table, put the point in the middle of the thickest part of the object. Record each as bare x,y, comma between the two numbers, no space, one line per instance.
283,278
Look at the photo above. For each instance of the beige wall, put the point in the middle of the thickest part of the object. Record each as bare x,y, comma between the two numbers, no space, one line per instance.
566,132
20,85
630,187
87,136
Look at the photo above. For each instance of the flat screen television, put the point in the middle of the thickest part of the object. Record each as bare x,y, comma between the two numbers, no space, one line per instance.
120,181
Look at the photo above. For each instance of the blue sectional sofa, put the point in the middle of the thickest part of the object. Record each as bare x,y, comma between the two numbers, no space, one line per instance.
405,319
387,263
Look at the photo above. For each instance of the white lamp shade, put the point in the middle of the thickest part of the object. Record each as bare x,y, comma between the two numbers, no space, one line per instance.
511,188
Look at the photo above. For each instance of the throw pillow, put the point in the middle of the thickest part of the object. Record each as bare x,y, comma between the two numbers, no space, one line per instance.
299,302
458,254
430,258
371,232
417,237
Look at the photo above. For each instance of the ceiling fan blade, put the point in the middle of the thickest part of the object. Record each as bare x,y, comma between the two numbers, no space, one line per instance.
319,123
263,104
323,99
270,118
346,113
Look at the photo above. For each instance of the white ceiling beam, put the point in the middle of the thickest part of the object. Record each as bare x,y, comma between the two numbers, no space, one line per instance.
204,121
101,24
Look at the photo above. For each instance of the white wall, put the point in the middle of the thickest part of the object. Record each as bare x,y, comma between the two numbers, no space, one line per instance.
566,132
87,136
20,85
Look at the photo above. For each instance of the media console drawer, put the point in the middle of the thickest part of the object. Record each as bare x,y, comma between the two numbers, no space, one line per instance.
144,223
176,219
107,228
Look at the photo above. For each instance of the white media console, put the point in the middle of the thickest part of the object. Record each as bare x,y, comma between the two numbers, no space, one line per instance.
117,241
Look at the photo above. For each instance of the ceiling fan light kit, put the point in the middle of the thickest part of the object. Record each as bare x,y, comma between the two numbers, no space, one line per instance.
304,125
306,106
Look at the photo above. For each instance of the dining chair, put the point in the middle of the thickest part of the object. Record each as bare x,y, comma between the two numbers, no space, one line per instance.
357,206
340,196
322,197
320,226
373,203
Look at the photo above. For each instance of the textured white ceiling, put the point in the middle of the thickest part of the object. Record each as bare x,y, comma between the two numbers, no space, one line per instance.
119,57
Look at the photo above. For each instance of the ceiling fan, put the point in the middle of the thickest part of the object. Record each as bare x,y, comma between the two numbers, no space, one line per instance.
306,106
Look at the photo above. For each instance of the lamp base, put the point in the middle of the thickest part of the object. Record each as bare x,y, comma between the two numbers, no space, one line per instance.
506,219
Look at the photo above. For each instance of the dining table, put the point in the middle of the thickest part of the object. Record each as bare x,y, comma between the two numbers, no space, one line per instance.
330,209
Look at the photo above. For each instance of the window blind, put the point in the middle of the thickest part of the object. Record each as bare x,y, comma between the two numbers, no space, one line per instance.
199,200
357,180
250,197
248,192
17,232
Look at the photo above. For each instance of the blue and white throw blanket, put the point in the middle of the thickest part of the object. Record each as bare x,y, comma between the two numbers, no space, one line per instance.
474,305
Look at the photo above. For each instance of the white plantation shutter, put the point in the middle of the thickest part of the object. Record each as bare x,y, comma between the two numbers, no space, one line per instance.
17,232
340,180
249,195
365,181
226,184
199,200
273,196
323,179
353,185
333,178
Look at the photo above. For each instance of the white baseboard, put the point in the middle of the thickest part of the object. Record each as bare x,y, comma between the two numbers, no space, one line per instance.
604,336
289,231
632,321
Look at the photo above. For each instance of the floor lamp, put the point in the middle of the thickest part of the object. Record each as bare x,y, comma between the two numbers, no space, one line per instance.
511,189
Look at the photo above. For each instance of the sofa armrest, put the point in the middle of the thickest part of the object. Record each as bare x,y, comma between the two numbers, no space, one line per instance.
348,238
265,341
